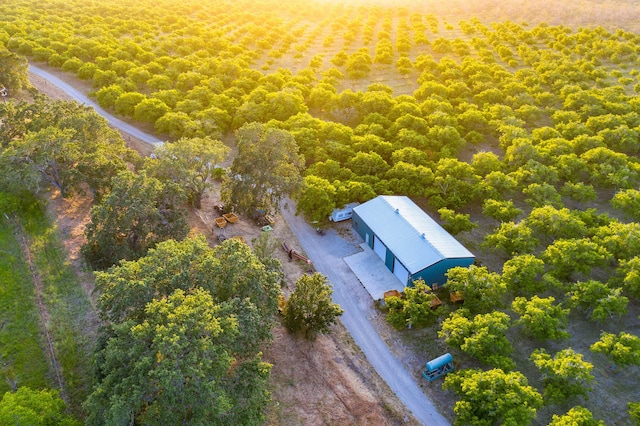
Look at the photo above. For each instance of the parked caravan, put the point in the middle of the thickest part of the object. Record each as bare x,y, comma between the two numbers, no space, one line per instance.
344,213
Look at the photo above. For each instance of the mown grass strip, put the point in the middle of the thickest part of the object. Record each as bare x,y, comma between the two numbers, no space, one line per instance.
70,314
22,361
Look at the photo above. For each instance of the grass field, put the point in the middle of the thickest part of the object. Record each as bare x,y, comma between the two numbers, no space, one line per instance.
67,314
21,342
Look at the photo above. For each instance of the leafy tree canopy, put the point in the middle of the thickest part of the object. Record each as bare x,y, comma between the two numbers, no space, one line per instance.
310,310
139,212
492,397
623,349
189,163
266,169
483,290
577,416
26,406
541,318
565,375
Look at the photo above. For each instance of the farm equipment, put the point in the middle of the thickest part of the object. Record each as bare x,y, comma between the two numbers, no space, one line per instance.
230,217
263,219
294,254
438,367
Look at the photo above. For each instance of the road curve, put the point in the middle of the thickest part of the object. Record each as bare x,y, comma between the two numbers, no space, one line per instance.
83,99
327,254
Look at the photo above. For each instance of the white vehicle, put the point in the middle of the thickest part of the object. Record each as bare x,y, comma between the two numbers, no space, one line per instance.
344,213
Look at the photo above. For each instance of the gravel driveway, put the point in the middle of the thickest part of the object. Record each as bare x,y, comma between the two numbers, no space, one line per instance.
83,99
327,254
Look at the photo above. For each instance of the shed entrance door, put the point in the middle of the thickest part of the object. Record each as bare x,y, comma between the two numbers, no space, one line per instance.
400,271
379,248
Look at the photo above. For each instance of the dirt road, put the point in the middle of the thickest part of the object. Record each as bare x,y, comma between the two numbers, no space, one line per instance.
83,99
327,254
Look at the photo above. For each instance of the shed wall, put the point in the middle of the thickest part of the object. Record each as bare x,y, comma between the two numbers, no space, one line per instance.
435,274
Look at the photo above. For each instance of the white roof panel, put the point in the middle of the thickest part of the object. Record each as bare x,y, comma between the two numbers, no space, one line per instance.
415,239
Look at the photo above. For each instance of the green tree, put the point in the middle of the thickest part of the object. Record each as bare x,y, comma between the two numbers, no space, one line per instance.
175,366
14,71
108,95
483,336
599,301
623,349
577,416
317,198
63,144
542,194
149,110
634,412
522,274
455,184
580,192
567,258
37,408
629,275
176,124
127,102
310,310
511,238
454,222
541,318
415,308
230,272
504,211
492,397
189,163
565,375
139,212
554,223
266,169
483,290
621,240
628,201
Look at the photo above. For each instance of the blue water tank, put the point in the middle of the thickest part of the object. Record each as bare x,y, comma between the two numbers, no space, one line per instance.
439,362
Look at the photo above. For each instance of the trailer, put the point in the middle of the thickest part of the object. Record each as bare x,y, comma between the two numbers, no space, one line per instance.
438,367
344,213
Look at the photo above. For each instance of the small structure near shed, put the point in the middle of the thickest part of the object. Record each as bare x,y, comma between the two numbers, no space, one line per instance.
438,367
344,213
410,243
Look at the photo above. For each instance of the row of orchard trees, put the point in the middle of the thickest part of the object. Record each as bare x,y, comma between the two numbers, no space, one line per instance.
378,142
193,77
486,332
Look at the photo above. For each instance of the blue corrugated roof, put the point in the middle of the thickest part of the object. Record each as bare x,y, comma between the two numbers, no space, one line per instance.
415,239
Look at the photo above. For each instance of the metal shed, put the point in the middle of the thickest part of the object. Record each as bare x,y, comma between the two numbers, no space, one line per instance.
410,243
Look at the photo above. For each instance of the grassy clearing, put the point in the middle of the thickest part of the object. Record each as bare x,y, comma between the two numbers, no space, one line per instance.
22,361
70,317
